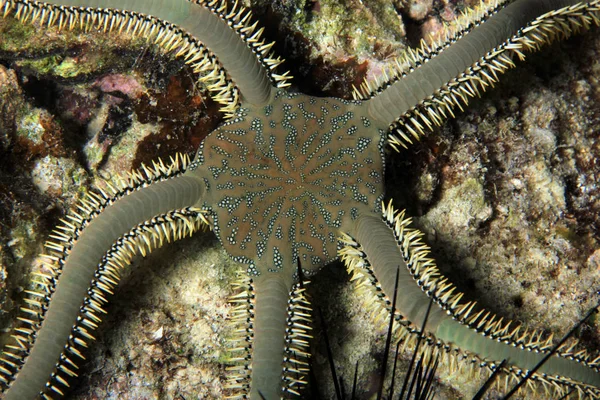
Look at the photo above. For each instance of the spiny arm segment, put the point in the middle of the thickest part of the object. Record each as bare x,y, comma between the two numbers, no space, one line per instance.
411,59
221,45
82,266
239,19
426,85
462,333
270,347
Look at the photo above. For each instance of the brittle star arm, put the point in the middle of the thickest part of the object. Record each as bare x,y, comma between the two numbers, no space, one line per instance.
461,333
270,347
83,263
424,86
220,44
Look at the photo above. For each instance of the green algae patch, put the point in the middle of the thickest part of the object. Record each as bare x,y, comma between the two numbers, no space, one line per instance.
358,28
32,39
69,68
63,67
30,127
43,66
15,36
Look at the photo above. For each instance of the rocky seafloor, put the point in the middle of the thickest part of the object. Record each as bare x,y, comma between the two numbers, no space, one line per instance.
506,193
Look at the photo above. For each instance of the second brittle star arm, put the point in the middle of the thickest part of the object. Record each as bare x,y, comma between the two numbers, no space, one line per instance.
427,84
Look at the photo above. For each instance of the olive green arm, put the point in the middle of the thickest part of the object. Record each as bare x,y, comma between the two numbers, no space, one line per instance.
269,350
80,270
272,296
453,330
482,47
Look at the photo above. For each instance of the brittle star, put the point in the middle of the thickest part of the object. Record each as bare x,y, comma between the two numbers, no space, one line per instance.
261,243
